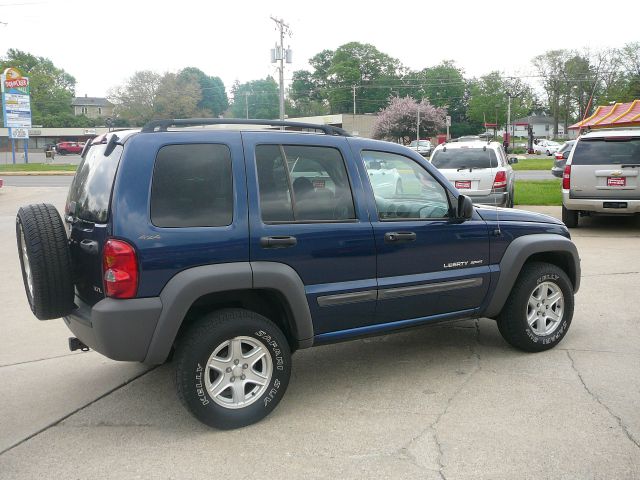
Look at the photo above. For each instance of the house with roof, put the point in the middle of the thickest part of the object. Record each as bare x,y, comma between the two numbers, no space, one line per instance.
92,107
611,116
542,127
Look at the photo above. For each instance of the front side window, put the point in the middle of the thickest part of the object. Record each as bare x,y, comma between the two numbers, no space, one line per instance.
192,186
300,183
403,189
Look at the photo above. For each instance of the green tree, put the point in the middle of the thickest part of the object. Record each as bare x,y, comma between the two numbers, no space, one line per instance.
550,66
134,101
214,101
489,99
52,88
176,97
305,96
256,99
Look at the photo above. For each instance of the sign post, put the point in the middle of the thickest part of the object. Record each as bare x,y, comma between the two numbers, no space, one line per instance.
16,108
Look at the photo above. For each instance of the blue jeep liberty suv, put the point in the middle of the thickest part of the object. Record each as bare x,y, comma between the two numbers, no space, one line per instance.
229,249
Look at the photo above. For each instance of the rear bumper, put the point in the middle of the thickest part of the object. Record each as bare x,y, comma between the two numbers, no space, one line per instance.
118,329
500,199
598,205
557,171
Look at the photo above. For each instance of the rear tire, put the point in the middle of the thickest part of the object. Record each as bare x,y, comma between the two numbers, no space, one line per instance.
570,217
219,380
45,261
539,309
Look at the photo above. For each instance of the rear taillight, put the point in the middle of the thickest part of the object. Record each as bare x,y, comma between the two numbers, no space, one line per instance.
119,269
500,180
558,156
566,177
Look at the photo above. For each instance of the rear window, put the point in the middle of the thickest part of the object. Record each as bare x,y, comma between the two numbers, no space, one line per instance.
607,151
192,186
465,158
92,185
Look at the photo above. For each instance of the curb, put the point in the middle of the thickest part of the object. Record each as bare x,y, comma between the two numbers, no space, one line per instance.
35,174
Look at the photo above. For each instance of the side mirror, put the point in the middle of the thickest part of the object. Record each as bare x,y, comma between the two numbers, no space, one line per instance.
565,154
465,208
513,160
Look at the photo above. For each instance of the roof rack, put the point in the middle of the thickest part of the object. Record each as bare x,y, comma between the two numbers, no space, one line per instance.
163,125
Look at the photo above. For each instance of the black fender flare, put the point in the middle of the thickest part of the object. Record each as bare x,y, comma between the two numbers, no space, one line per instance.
519,251
186,287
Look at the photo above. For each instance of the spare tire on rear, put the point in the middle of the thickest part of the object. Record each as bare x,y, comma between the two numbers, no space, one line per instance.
45,260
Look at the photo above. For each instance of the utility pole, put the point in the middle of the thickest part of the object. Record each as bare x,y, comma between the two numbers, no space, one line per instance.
246,104
509,118
354,100
418,128
280,55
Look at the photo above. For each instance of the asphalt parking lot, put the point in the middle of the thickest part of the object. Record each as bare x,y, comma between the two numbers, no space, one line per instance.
450,401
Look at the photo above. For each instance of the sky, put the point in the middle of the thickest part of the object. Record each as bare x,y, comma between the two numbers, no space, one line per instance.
103,43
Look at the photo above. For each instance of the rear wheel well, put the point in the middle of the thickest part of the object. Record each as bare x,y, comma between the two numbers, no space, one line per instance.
269,303
560,259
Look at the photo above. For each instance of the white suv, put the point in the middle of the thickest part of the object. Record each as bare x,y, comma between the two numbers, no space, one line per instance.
602,175
478,169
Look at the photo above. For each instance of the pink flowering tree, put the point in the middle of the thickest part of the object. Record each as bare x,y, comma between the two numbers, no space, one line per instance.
399,120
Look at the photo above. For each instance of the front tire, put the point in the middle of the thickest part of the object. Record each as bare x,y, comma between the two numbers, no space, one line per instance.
569,217
232,368
539,309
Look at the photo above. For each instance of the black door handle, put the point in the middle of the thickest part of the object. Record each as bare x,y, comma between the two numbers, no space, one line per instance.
399,237
281,241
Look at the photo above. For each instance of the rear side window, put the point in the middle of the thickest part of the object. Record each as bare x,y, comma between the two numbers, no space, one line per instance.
300,183
607,151
90,190
465,158
192,186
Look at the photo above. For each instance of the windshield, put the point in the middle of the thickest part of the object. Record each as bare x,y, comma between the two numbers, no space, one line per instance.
603,151
465,158
423,143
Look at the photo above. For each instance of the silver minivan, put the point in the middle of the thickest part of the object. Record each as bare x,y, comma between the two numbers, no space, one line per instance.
601,175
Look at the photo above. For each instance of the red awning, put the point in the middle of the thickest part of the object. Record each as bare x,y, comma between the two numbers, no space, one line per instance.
607,116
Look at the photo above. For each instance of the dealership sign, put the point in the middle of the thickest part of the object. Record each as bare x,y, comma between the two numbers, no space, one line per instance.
16,101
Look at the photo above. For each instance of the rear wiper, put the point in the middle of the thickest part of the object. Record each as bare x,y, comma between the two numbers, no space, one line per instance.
630,165
464,168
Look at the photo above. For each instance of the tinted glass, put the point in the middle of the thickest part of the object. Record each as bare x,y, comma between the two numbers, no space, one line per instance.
403,189
93,182
192,186
614,151
303,183
465,158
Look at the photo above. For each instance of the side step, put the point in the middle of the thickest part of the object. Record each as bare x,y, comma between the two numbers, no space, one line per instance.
75,344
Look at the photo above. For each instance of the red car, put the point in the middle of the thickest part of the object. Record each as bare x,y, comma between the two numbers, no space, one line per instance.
69,147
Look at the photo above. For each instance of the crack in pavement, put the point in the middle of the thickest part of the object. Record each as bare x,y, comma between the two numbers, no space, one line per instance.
39,360
404,451
611,273
597,399
64,417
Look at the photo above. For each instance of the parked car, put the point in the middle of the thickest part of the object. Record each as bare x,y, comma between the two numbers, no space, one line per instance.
547,147
63,148
601,176
423,147
386,179
560,158
193,244
479,169
1,182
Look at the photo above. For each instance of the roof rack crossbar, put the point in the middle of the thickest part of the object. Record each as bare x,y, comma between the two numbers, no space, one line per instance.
163,125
